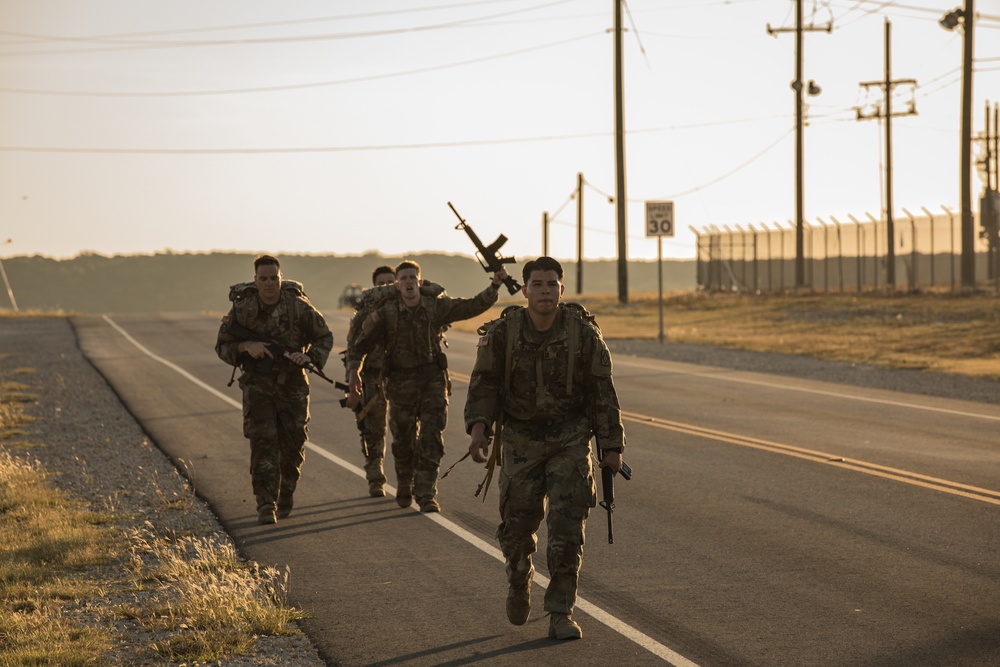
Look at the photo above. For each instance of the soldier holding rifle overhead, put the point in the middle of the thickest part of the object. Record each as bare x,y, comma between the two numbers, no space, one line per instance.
540,389
409,328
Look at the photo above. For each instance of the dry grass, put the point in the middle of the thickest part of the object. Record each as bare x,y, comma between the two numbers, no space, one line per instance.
940,332
65,568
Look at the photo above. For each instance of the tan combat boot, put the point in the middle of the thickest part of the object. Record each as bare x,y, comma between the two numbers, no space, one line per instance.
562,626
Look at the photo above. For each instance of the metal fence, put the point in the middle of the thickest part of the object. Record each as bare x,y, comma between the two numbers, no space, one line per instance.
841,256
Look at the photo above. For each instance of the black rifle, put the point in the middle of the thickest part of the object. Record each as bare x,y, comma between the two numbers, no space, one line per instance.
276,348
489,255
608,481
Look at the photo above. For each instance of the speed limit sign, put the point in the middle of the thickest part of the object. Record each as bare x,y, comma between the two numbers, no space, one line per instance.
659,218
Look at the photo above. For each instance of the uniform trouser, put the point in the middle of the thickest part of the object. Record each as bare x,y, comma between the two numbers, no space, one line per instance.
276,424
563,473
418,414
373,439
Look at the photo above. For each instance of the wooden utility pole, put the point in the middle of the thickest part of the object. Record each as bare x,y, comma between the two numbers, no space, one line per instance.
886,85
798,85
579,233
968,267
620,197
545,233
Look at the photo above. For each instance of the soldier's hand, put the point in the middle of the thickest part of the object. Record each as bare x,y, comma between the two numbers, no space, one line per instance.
255,349
500,276
354,390
612,460
479,448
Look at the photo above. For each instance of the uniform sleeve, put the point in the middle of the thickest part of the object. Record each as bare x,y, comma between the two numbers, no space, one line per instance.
319,338
367,329
452,309
603,409
487,378
226,345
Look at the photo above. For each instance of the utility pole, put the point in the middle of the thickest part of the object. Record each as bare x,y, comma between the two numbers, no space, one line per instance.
579,233
545,233
886,85
620,198
966,18
813,89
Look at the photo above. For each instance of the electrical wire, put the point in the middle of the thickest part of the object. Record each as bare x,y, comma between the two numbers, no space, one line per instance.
303,86
130,45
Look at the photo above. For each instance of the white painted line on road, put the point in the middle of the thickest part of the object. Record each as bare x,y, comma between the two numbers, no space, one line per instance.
820,392
619,626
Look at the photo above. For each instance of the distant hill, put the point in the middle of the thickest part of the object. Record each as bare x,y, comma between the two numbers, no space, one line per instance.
93,283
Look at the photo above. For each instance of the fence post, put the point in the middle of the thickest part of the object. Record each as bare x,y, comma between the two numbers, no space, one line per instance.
826,256
875,250
930,221
951,233
914,282
781,266
697,256
857,224
840,256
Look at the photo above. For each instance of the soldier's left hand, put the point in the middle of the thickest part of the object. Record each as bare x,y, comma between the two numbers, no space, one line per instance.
299,358
612,460
500,276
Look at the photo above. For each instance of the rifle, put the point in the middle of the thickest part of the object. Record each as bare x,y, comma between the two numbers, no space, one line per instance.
608,482
359,414
276,348
489,255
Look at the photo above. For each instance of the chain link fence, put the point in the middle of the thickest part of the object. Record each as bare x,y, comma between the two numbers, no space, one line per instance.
842,256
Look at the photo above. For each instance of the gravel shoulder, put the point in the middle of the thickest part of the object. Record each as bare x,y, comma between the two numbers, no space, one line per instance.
96,452
928,383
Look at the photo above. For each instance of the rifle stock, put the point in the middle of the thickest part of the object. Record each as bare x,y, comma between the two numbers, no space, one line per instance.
489,255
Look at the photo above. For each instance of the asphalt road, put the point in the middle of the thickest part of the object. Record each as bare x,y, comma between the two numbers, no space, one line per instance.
770,521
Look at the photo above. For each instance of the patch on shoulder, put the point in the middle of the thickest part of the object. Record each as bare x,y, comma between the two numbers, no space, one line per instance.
483,342
605,358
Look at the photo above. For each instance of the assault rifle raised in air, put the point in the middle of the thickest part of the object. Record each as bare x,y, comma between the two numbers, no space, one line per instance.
276,348
608,482
489,255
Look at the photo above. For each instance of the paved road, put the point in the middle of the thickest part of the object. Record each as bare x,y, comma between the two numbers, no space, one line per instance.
771,520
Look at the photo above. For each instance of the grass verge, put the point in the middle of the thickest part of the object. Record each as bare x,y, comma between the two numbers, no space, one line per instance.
940,332
80,587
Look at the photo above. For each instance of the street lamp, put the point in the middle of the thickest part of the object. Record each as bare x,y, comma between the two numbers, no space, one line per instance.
950,21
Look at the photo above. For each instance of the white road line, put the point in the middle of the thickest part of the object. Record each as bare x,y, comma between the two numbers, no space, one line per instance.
820,392
619,626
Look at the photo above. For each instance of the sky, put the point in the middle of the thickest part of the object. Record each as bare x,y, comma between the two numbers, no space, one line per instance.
318,127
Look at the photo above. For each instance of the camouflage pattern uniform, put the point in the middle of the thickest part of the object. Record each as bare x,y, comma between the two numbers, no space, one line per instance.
549,419
416,378
373,398
275,392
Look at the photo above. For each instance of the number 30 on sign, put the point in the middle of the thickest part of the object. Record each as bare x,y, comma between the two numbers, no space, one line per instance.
659,218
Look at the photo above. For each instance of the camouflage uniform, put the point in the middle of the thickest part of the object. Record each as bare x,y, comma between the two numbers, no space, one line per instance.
275,392
416,378
549,417
373,398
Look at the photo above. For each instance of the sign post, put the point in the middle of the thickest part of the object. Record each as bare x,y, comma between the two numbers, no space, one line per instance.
660,223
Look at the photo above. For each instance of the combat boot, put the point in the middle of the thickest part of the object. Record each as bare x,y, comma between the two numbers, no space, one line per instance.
375,490
404,494
562,626
429,504
265,511
519,603
284,504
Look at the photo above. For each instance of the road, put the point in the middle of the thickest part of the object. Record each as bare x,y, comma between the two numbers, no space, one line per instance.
770,520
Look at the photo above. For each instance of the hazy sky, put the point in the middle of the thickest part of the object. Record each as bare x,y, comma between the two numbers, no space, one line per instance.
131,126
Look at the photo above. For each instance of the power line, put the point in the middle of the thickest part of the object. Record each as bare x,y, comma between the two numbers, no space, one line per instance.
129,45
301,86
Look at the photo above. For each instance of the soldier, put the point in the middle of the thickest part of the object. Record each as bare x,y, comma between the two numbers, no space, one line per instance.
409,328
275,388
373,402
543,373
